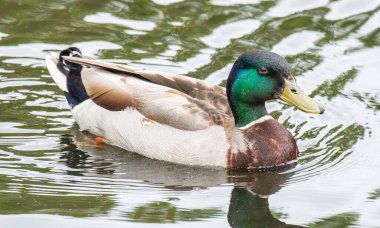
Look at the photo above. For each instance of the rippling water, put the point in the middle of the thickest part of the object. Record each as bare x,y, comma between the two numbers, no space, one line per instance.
46,177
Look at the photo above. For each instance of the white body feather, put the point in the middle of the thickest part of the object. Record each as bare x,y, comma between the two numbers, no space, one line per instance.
194,142
130,130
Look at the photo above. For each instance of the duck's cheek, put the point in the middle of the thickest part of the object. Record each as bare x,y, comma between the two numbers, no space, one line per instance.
278,92
278,88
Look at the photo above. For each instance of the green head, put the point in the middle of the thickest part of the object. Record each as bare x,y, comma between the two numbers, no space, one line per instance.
258,76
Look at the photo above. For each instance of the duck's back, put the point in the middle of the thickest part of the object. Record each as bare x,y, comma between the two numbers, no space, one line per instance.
162,116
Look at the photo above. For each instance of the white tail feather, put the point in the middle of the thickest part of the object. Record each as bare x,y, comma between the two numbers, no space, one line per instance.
58,77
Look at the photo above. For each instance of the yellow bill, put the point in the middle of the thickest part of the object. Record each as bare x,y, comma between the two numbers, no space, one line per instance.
293,95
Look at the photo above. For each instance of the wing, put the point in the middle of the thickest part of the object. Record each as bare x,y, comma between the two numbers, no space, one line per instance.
116,90
197,89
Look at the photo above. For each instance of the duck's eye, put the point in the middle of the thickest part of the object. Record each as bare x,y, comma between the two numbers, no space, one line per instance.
262,70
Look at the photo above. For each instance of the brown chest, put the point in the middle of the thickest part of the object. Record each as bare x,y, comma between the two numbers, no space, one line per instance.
269,144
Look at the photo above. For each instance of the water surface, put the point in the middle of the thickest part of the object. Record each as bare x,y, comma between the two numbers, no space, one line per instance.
46,177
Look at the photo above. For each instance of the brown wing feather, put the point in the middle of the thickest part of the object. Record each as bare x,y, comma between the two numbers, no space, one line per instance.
101,64
198,89
186,103
105,93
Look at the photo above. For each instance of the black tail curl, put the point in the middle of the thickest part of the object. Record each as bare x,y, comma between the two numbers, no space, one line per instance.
65,66
76,91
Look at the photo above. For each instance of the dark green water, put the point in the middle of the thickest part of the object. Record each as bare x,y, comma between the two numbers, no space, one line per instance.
334,50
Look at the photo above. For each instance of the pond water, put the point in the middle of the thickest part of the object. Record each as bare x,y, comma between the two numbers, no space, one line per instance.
47,179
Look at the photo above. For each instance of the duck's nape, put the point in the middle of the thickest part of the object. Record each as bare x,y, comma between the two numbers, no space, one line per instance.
258,76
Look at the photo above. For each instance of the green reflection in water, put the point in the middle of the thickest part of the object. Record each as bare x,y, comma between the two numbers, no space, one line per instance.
165,212
339,146
338,221
333,88
25,202
248,209
249,203
374,195
303,62
372,101
372,39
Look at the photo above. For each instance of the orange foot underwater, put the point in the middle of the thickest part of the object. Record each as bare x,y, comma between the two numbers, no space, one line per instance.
88,141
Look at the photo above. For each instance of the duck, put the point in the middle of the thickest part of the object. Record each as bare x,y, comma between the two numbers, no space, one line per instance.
181,119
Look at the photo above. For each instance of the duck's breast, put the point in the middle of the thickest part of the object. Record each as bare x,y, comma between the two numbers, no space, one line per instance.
269,144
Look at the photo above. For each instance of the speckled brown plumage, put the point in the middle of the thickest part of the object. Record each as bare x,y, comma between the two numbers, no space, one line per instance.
269,144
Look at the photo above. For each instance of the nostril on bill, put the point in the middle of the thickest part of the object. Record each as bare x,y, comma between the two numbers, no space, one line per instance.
293,90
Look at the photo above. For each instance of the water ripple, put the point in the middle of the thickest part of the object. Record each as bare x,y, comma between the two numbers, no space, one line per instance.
332,47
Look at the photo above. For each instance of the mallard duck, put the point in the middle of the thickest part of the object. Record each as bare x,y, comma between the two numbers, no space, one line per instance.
181,119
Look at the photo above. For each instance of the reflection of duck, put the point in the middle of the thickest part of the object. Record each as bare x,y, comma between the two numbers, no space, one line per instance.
249,199
249,206
181,119
248,209
118,163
